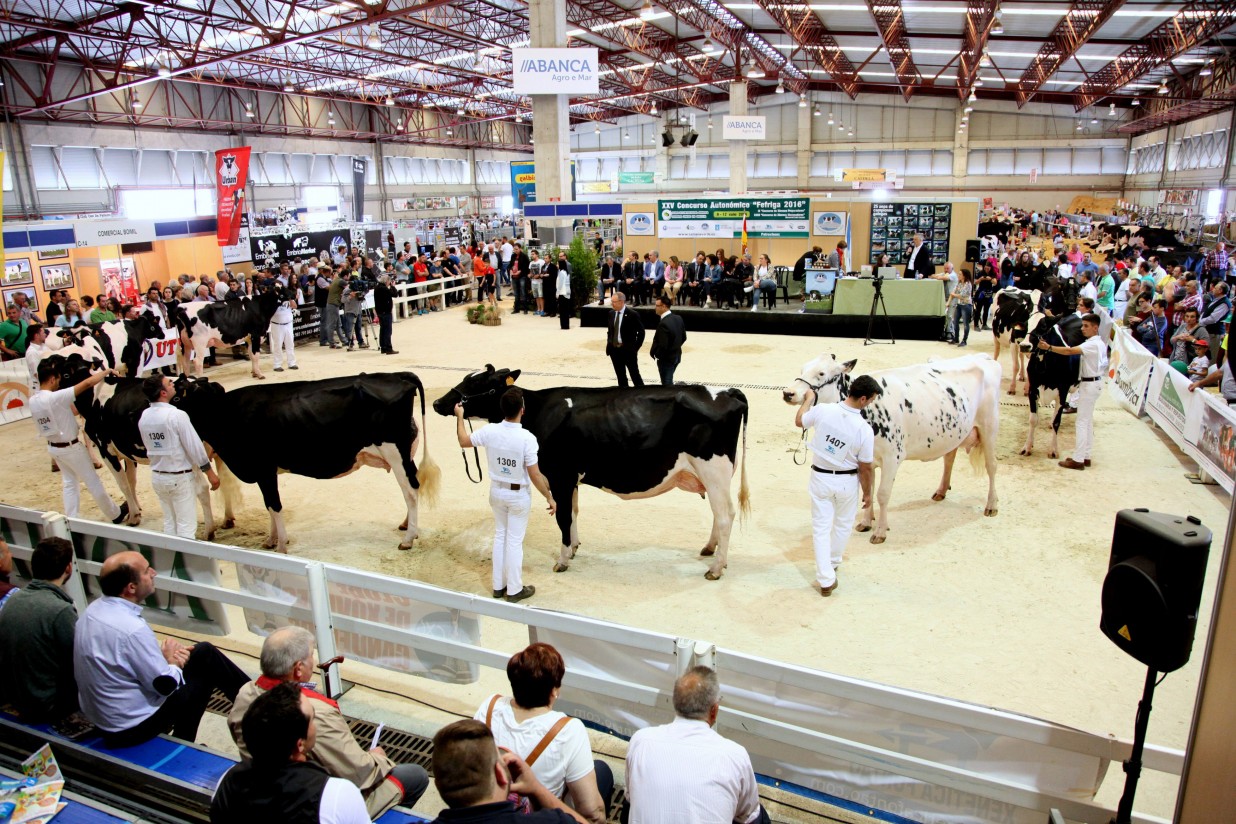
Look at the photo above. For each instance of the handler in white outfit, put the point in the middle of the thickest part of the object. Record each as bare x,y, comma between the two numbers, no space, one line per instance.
1093,353
844,449
52,410
511,452
175,453
281,342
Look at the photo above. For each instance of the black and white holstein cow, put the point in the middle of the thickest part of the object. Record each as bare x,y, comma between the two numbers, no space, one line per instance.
110,411
1052,377
319,429
224,323
928,411
633,443
1008,325
120,341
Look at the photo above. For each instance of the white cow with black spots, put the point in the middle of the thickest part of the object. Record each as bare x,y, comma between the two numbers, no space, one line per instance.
928,411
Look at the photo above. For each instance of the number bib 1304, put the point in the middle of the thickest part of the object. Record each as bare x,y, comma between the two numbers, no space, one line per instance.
506,466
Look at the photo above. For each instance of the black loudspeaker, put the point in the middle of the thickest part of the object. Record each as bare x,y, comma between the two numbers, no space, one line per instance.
973,250
1154,586
667,138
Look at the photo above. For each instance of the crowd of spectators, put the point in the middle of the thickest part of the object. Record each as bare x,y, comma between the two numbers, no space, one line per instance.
719,279
517,758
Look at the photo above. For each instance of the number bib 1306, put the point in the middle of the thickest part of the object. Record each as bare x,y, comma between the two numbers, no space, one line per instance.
506,466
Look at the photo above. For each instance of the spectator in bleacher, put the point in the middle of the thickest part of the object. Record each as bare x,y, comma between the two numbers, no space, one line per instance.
1151,330
7,588
1105,290
288,657
280,783
1190,297
552,743
1199,367
477,782
1183,341
36,637
130,686
1215,310
684,770
1137,309
1223,378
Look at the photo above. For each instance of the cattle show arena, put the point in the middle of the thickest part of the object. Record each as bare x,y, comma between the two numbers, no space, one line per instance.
1000,611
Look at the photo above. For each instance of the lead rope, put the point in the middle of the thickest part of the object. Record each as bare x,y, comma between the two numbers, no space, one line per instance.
799,456
463,453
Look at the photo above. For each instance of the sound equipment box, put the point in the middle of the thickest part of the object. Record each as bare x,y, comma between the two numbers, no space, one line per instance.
973,250
1153,586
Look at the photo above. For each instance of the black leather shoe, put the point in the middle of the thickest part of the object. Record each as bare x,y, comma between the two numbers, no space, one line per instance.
124,513
526,592
498,593
827,591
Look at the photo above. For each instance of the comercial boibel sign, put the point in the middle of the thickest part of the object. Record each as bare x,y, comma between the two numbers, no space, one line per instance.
555,71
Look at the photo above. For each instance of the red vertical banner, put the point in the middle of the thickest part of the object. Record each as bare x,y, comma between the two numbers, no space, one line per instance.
231,174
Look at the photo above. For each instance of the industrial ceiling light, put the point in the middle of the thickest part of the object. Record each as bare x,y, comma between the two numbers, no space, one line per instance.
984,60
841,127
653,110
626,135
519,117
754,71
1136,102
399,125
330,118
597,129
448,131
978,81
647,11
817,113
1094,118
249,110
164,71
137,103
374,41
709,48
802,102
780,87
969,109
710,122
851,132
461,111
830,118
373,2
1111,110
1079,125
1205,71
287,86
997,28
973,97
1162,87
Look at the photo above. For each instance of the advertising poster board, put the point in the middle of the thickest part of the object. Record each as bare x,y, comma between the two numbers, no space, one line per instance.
893,226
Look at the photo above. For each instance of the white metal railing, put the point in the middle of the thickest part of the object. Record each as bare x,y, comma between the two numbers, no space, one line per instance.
802,726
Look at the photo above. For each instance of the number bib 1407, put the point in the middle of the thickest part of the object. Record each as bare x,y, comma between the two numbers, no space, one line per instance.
506,466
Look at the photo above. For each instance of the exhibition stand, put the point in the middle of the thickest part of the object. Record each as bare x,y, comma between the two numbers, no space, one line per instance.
853,296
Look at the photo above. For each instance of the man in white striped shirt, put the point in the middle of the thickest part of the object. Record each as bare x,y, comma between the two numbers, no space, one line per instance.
685,771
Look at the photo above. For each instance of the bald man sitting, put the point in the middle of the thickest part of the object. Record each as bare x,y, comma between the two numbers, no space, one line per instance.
288,657
129,685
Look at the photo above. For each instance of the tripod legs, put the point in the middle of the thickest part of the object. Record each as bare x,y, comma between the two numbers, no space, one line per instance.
877,302
1133,767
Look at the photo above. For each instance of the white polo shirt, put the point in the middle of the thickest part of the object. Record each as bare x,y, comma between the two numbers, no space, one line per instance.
34,353
510,450
1093,358
842,439
171,442
685,773
53,414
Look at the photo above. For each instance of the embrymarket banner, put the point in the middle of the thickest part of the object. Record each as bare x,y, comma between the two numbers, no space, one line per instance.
766,217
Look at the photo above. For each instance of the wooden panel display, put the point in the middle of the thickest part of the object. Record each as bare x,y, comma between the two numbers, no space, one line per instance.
893,226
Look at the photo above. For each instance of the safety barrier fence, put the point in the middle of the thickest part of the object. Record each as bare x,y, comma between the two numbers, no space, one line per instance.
1200,423
868,746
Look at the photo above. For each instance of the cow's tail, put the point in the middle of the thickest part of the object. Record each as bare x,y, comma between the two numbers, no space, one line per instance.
744,494
428,473
977,451
229,487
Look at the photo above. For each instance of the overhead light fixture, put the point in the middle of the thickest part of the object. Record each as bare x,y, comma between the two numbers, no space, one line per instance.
626,135
978,81
287,86
390,101
330,118
830,118
519,117
596,129
1162,87
374,41
373,2
841,127
164,71
448,131
399,125
1136,102
817,113
973,97
780,87
984,60
1079,125
754,72
461,112
997,28
851,133
647,11
137,103
710,122
709,48
965,118
802,102
1205,71
248,110
653,110
1094,118
1111,110
969,109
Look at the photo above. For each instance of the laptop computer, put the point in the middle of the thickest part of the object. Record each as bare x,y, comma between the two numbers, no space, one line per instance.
888,272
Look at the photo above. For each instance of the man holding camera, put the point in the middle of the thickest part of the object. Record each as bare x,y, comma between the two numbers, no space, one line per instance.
384,307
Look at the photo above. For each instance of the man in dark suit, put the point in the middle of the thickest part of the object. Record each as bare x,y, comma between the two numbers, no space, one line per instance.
625,335
667,341
611,275
918,259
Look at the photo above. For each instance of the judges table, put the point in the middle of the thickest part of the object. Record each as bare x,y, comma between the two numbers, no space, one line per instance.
901,297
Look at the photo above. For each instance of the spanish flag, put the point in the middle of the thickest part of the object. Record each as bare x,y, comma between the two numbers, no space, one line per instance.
744,233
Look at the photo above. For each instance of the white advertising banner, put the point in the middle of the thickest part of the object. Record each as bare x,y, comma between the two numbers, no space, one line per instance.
92,233
828,224
743,128
242,252
1169,401
700,228
14,391
159,353
1129,370
640,223
1211,431
555,71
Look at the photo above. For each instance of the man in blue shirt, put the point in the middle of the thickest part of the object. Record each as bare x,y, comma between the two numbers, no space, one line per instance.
1086,267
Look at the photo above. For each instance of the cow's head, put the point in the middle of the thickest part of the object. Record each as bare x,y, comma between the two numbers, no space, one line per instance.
73,364
829,379
479,393
144,327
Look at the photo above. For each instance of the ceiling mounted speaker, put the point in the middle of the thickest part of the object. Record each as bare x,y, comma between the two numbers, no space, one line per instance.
667,138
689,138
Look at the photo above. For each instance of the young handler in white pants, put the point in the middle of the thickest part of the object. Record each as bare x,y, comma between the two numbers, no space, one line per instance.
843,450
52,410
1093,353
176,453
511,452
281,342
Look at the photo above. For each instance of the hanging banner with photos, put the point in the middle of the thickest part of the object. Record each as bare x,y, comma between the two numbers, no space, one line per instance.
893,226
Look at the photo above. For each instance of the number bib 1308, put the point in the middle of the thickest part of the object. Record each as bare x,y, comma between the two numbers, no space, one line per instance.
506,466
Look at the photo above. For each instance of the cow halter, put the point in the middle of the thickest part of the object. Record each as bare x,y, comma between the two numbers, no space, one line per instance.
799,455
476,456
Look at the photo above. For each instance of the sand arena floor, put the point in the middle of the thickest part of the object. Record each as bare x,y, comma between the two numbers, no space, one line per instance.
999,611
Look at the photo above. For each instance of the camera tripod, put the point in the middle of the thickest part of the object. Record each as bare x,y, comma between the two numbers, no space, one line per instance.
877,302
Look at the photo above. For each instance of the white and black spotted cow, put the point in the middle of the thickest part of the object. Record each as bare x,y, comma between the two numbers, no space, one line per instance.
1008,326
319,429
224,323
1051,377
928,411
633,443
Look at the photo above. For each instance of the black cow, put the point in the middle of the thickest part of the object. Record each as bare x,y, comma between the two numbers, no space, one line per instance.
1049,372
633,443
225,323
320,429
110,413
1008,326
